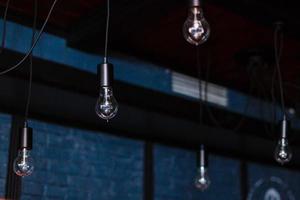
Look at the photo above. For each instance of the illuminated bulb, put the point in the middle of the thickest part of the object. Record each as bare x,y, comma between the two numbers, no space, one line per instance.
106,106
23,164
196,29
202,181
283,153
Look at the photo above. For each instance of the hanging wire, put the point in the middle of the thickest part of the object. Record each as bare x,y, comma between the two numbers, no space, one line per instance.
198,65
4,26
105,59
208,109
273,99
199,83
262,108
210,114
278,45
278,52
31,61
34,43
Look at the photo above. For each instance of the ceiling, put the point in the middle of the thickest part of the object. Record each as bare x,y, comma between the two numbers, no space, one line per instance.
151,30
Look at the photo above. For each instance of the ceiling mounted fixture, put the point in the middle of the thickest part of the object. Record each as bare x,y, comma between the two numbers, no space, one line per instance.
106,105
196,29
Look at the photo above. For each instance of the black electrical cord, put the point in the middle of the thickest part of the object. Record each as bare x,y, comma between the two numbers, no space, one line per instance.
198,64
208,109
277,51
31,61
105,59
4,26
273,98
34,43
248,102
262,108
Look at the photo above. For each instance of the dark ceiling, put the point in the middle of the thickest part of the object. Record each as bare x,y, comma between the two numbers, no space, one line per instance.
151,30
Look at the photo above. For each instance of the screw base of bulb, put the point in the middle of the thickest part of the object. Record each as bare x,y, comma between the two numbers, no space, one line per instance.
25,138
105,74
194,3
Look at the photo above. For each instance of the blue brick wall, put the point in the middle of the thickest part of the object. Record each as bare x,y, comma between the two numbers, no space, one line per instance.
175,171
76,164
73,164
5,124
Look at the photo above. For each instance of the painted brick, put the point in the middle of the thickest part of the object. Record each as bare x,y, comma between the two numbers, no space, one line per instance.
175,170
52,191
32,188
31,197
78,164
5,124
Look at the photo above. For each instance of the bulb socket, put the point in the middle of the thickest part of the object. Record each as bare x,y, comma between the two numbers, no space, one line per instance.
202,159
25,138
105,74
285,124
194,3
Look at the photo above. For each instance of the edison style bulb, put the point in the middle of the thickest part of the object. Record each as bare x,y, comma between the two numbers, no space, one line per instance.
196,29
106,106
202,181
23,164
283,153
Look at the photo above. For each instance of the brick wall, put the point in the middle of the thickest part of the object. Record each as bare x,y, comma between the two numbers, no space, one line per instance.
75,164
175,171
5,124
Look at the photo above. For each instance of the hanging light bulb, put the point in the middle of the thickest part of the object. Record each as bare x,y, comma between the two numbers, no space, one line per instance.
23,164
202,180
283,153
106,105
196,29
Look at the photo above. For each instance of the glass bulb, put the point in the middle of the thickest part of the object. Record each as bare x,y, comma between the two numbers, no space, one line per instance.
283,153
106,106
202,181
23,164
196,29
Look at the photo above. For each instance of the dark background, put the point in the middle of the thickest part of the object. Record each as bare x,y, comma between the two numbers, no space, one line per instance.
148,150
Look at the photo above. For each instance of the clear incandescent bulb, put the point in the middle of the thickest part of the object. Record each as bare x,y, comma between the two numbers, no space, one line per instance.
283,153
202,181
23,164
196,29
106,105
